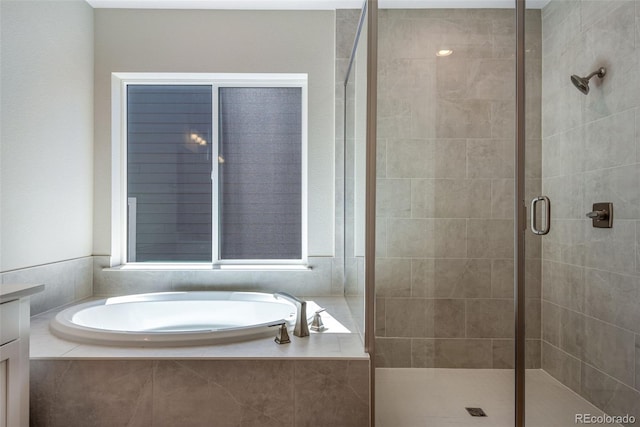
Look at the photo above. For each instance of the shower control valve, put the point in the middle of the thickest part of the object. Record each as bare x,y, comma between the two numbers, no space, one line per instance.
602,215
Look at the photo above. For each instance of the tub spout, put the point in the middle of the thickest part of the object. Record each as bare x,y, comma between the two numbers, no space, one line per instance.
301,328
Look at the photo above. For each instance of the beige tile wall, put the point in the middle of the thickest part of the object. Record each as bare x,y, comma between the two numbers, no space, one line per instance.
260,393
444,267
591,278
64,282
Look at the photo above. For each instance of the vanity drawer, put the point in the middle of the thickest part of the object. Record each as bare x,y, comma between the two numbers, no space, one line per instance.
10,321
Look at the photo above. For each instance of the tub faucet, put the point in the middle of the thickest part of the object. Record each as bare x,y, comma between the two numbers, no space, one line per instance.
301,328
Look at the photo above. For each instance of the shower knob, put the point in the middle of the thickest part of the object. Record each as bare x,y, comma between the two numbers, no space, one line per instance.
602,215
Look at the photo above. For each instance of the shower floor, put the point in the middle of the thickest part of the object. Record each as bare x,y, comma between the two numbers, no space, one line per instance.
438,397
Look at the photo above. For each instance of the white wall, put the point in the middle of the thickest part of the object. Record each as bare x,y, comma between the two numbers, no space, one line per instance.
46,132
130,40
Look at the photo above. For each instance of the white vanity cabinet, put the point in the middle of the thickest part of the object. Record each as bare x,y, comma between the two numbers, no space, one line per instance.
14,353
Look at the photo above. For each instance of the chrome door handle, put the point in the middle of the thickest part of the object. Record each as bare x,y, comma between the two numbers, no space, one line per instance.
547,215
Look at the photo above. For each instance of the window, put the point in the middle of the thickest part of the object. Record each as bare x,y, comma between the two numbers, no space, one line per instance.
213,168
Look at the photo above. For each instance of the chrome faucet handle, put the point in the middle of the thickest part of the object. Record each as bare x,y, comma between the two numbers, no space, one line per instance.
598,215
316,323
282,337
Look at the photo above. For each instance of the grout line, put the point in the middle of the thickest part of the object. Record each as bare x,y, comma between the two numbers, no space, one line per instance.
591,317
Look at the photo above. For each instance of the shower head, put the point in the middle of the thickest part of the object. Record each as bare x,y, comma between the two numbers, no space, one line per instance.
582,83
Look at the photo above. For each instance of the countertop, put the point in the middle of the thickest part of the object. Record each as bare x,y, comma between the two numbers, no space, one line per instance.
11,291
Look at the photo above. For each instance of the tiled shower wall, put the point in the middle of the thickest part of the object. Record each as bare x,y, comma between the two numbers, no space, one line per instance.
591,276
444,262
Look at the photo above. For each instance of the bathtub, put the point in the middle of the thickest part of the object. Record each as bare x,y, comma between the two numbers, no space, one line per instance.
174,318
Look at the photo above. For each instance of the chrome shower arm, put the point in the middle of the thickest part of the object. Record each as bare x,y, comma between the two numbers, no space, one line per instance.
600,72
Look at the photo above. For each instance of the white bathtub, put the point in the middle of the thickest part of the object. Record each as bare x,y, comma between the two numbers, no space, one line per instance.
174,318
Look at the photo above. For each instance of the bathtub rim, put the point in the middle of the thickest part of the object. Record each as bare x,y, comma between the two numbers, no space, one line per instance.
62,326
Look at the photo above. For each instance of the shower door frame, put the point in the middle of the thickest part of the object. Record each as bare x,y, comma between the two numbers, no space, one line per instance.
370,201
520,220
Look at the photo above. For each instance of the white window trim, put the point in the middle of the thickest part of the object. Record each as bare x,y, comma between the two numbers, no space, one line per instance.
119,83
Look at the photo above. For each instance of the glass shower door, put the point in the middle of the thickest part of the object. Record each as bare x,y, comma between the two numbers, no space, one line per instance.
445,217
586,279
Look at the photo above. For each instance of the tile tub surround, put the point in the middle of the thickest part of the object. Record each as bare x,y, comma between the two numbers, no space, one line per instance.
347,345
590,277
260,393
65,282
319,280
253,383
444,246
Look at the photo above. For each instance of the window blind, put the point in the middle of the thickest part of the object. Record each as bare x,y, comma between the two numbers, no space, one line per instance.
260,170
169,130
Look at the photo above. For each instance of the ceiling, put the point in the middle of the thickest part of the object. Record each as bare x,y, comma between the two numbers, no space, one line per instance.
309,4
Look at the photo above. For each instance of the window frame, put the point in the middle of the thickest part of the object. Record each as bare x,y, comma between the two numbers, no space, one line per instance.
119,161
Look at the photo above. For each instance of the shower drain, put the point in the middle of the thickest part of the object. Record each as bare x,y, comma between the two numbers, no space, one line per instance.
476,412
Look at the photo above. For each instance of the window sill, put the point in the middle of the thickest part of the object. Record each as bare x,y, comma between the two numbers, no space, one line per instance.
209,267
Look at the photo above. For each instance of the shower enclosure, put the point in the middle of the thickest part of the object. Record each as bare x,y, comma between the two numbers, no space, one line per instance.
482,308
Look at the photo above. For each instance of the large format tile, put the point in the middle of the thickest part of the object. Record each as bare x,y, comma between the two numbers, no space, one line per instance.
393,277
393,352
610,349
611,249
566,194
173,382
463,353
610,142
426,238
65,282
468,118
563,285
564,153
551,323
613,397
426,158
613,298
573,335
422,353
462,278
96,393
261,391
619,185
490,318
423,277
330,393
490,158
409,317
449,318
393,198
450,198
561,366
566,242
490,238
504,350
